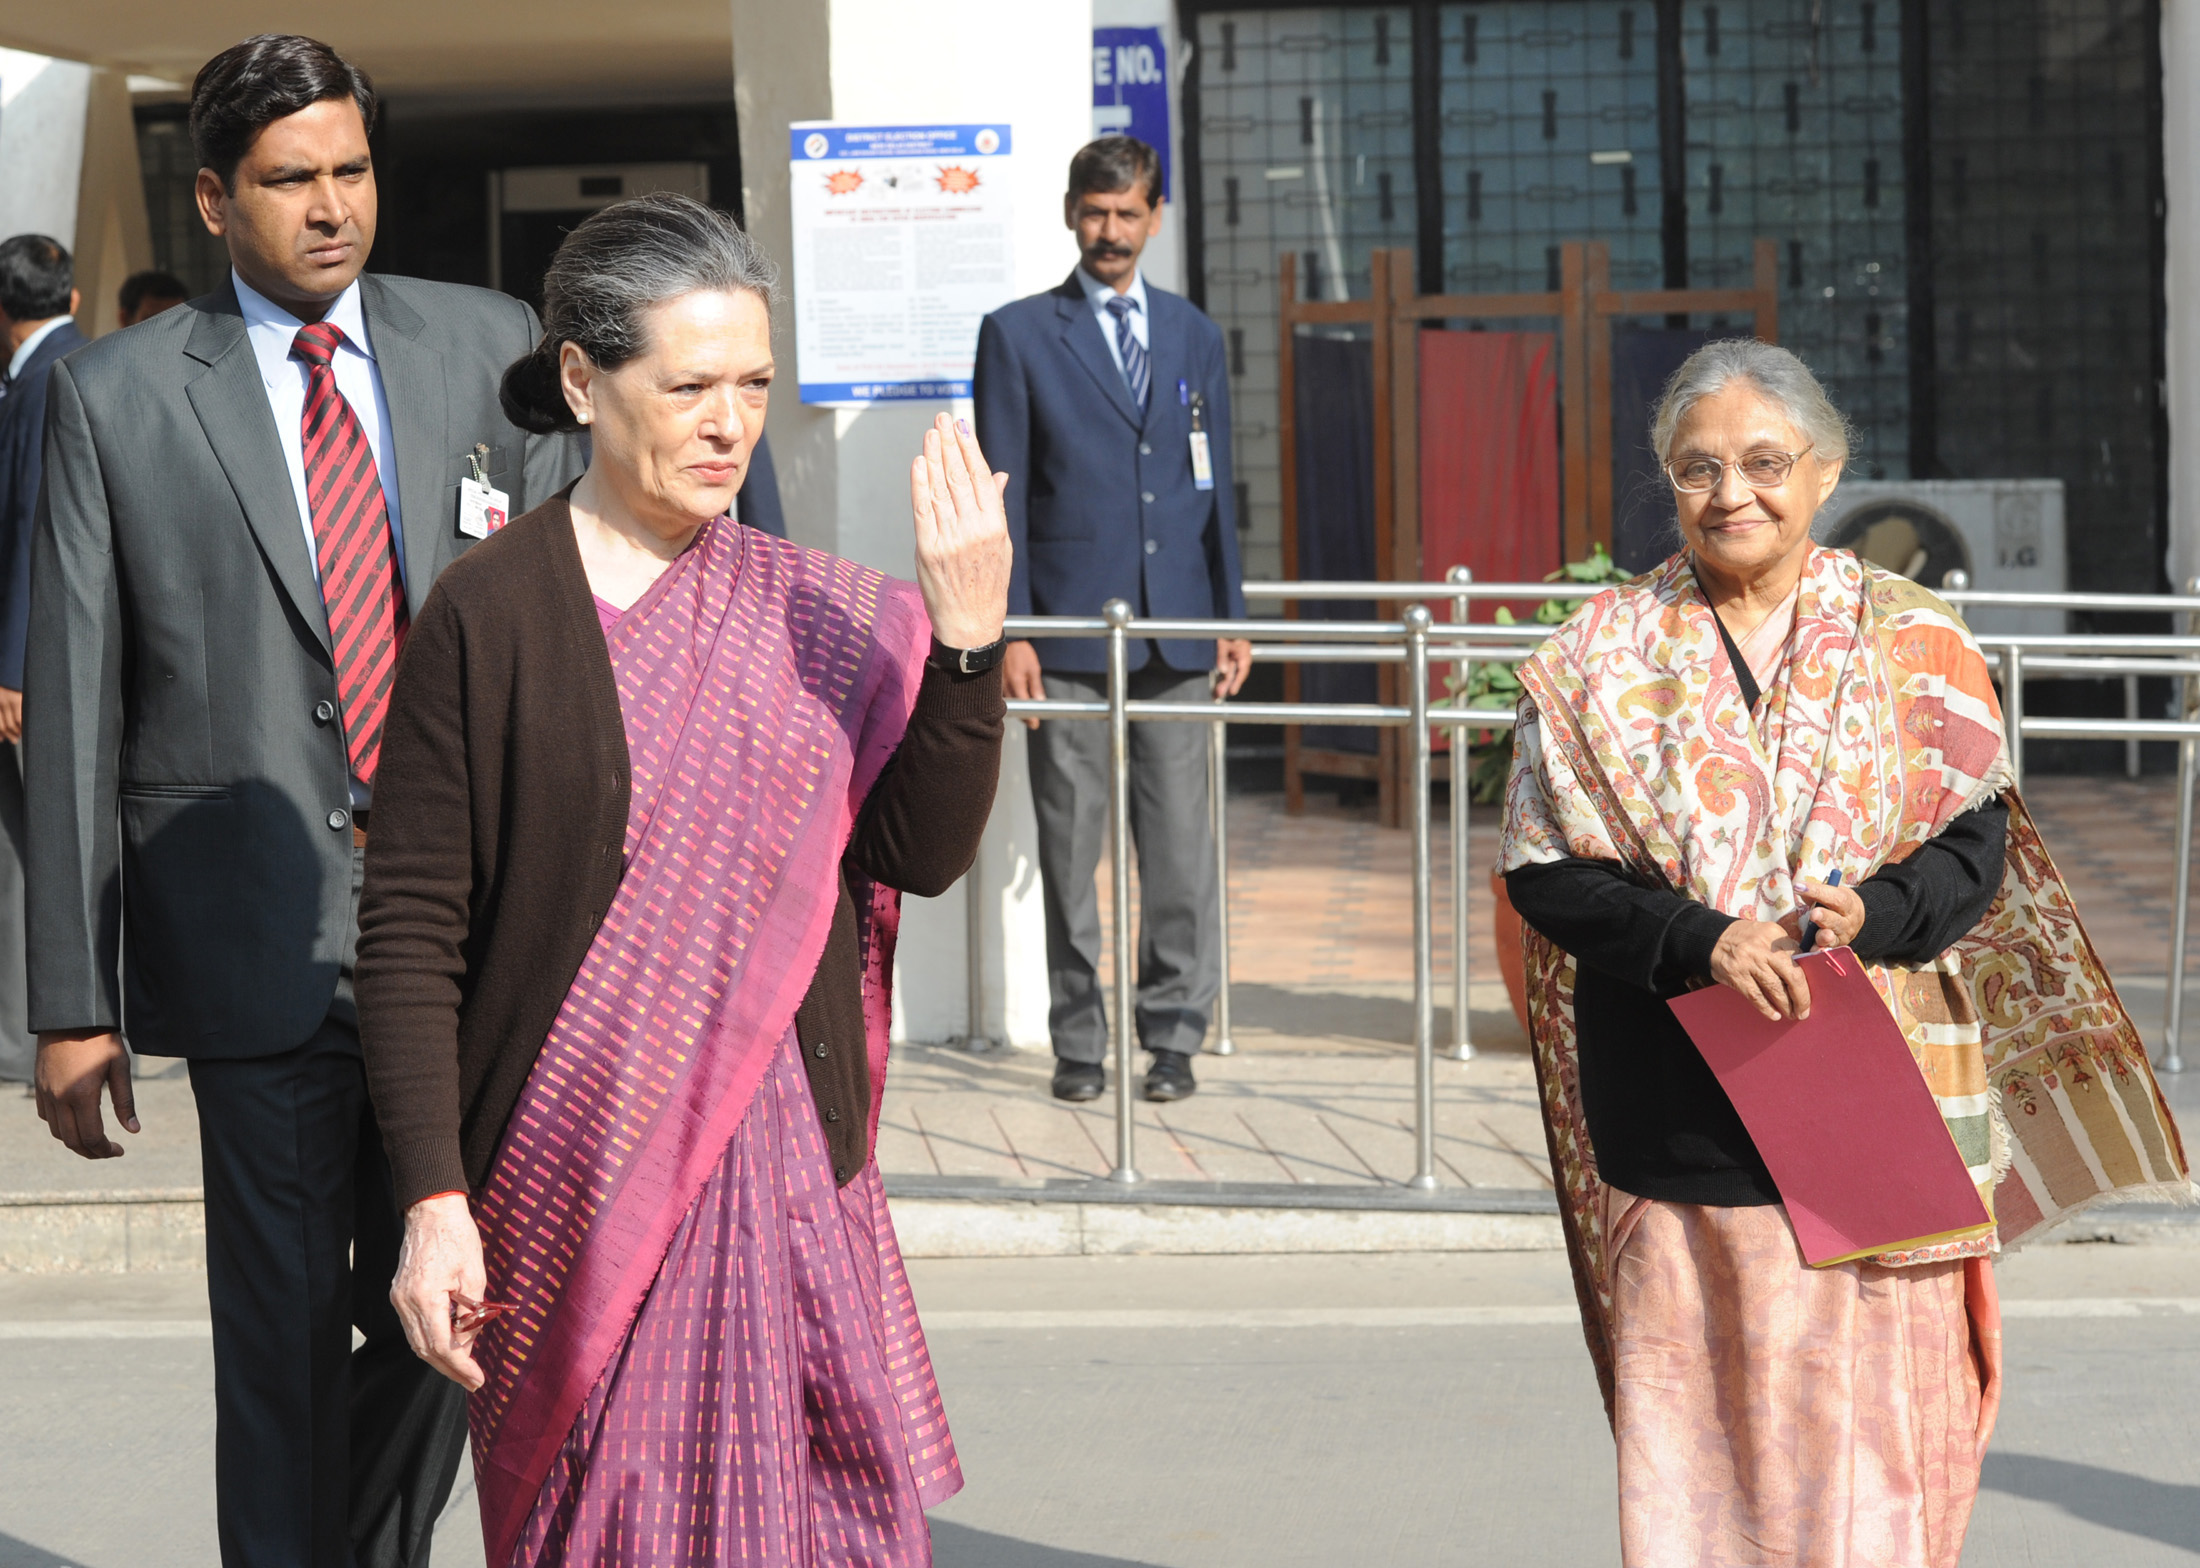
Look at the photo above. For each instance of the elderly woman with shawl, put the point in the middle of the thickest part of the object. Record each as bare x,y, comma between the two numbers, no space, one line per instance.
652,785
1698,751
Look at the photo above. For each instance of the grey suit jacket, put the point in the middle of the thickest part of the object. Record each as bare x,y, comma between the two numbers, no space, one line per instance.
183,769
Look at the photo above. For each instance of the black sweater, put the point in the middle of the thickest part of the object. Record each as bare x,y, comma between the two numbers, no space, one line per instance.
1659,1122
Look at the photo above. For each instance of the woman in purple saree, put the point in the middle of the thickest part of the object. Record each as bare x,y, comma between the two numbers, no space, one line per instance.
652,785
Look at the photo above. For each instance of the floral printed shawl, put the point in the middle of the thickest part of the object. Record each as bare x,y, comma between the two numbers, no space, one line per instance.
1634,745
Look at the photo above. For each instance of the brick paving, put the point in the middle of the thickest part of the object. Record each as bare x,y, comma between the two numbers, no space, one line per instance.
2112,839
1320,1087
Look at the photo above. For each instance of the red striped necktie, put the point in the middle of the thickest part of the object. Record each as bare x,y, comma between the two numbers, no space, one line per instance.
358,558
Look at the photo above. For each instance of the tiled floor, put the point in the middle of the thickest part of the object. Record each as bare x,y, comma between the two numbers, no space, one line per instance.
2113,840
1320,1089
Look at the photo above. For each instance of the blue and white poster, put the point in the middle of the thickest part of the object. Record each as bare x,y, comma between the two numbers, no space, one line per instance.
902,243
1130,88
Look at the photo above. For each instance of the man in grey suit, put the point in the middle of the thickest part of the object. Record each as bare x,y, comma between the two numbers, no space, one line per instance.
38,302
246,501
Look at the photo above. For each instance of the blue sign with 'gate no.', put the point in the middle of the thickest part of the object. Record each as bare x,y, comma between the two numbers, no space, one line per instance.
1130,88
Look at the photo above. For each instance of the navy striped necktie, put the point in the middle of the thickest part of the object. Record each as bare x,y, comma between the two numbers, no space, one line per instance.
1137,370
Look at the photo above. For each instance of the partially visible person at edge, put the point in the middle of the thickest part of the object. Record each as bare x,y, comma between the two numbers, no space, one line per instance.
38,303
144,295
1107,400
655,784
1837,717
246,500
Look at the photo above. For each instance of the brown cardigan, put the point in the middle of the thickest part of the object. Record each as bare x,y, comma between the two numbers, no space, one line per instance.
497,842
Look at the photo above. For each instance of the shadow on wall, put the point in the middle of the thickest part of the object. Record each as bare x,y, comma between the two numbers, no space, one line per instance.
2162,1511
959,1546
21,1554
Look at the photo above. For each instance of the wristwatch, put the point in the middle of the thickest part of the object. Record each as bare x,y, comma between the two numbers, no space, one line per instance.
970,661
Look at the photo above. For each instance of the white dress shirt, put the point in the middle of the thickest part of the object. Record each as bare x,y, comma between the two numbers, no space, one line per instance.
272,330
30,344
1097,295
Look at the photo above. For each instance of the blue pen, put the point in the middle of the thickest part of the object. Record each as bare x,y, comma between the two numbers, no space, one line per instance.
1184,392
1809,927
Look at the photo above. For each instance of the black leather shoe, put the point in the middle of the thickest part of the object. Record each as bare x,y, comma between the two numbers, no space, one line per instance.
1079,1081
1170,1077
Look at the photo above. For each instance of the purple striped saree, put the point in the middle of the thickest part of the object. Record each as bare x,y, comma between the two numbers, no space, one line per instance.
715,1355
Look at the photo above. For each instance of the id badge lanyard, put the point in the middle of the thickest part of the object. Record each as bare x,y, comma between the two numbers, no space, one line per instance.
482,508
1203,462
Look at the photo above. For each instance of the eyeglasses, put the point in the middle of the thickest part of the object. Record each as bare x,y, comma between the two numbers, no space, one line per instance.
1759,471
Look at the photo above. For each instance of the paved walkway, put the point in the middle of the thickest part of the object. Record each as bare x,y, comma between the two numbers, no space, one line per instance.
1320,1087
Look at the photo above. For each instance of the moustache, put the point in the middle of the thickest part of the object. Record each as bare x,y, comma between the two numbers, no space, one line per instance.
1108,248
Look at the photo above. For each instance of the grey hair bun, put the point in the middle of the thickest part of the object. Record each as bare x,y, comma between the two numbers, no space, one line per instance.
613,267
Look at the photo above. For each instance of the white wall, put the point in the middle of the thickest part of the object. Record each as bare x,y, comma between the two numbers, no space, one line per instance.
2181,181
42,104
69,169
843,473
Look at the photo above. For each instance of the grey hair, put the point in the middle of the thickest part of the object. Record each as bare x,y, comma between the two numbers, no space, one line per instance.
1776,373
614,266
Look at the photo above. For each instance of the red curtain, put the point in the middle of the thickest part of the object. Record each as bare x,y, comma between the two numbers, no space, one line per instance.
1489,462
1489,456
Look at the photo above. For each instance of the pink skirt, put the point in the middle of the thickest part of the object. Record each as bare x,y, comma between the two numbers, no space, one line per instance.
774,1405
1774,1415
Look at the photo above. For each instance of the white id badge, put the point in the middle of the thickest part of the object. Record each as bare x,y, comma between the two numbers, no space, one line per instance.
1203,465
481,510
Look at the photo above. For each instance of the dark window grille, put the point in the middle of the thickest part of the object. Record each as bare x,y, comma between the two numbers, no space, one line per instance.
1966,193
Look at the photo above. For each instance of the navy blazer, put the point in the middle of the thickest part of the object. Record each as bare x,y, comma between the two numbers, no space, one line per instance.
1101,503
22,444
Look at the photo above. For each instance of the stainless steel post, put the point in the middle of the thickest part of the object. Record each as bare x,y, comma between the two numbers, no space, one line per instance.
2173,1022
1417,621
974,1036
1218,801
1462,889
2131,711
2012,708
1118,616
2188,778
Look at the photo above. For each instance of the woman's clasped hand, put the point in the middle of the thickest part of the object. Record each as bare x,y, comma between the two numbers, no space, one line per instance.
1757,957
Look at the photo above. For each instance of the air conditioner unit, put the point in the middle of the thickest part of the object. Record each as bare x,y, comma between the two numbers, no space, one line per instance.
2006,533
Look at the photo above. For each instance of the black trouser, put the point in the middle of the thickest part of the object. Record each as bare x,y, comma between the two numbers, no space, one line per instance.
324,1456
18,1052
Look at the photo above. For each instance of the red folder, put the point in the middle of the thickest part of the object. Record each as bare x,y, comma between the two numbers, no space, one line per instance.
1840,1113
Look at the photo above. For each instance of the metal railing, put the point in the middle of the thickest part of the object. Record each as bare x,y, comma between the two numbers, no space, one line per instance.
1418,641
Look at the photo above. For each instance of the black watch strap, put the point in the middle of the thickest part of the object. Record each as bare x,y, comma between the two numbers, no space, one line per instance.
971,661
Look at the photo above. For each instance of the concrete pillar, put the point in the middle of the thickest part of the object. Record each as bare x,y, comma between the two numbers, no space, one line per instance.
843,473
114,237
42,105
69,169
2181,185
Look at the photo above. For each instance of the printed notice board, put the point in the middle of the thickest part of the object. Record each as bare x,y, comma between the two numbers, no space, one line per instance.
903,240
1130,88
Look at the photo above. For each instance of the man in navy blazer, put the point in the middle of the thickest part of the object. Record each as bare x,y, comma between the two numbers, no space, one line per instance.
38,301
1107,402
